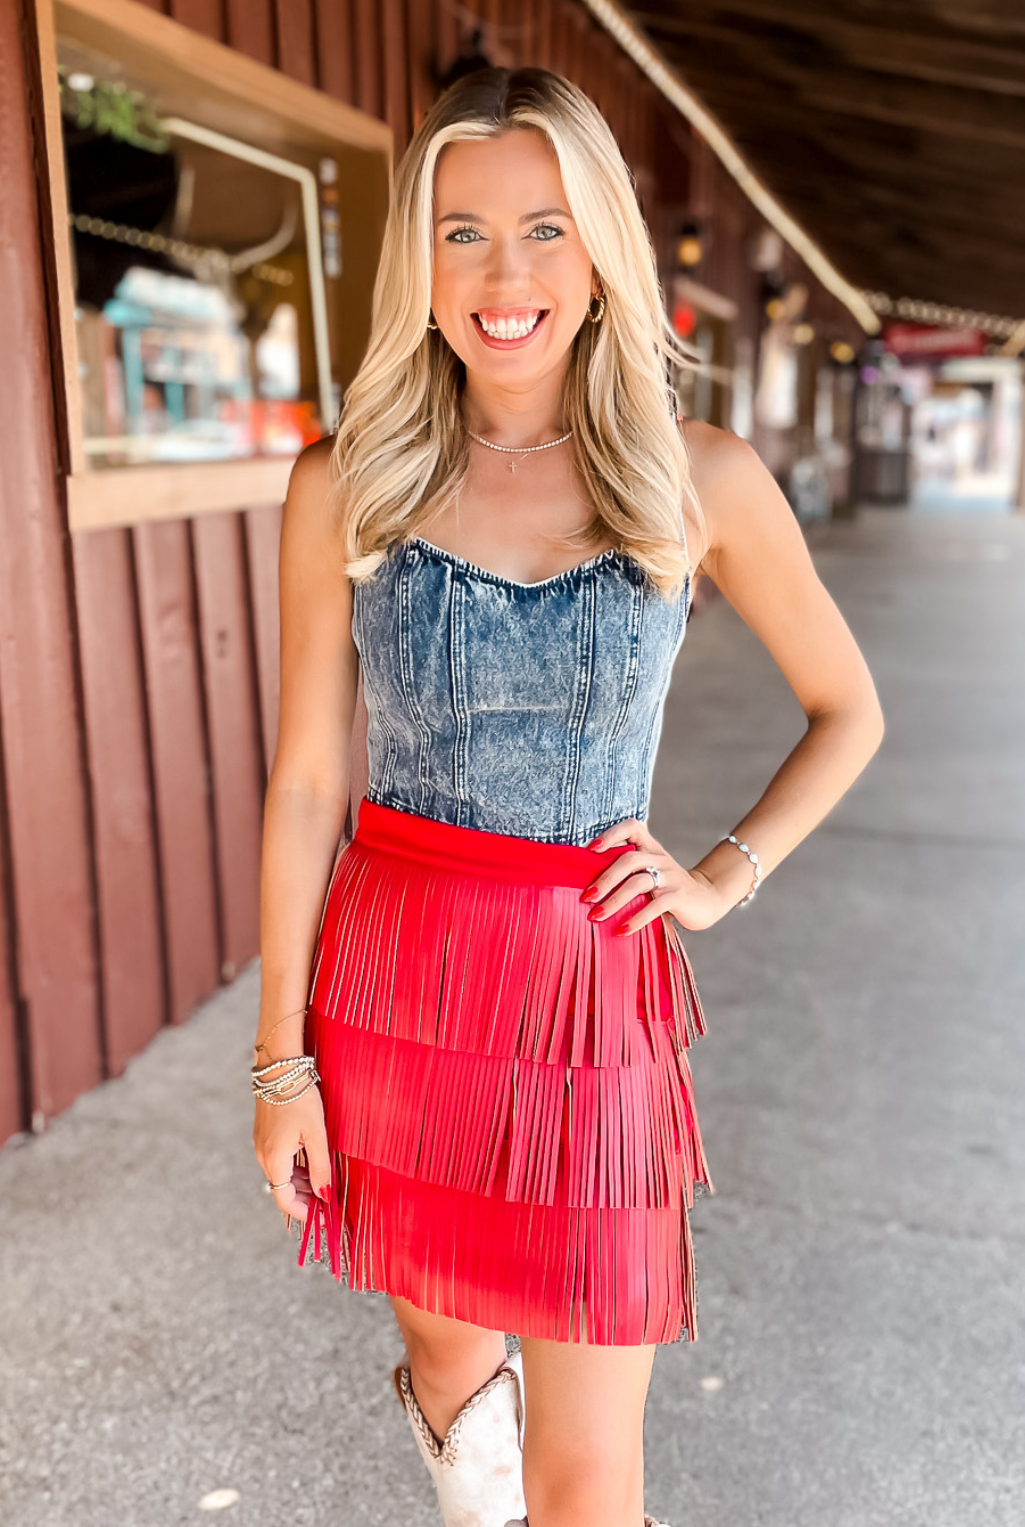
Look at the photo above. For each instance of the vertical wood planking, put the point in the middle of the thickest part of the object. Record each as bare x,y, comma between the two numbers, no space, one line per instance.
545,33
334,61
395,67
296,40
249,27
181,775
201,15
526,43
262,529
447,34
47,806
14,1112
367,49
564,63
421,48
118,752
235,745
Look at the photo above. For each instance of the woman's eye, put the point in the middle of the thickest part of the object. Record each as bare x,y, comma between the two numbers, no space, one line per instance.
549,230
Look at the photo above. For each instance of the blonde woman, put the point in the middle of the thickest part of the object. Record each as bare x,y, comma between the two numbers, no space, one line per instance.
471,1070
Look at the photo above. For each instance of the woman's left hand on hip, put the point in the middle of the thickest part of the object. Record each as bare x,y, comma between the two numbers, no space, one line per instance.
687,894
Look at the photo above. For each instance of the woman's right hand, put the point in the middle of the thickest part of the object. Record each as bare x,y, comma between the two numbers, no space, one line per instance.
280,1133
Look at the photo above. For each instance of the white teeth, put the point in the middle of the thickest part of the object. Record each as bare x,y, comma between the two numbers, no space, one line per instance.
510,328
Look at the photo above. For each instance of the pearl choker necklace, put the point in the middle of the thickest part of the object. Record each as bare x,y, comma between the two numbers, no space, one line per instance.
511,450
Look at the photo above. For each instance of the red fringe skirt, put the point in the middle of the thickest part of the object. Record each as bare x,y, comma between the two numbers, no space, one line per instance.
508,1102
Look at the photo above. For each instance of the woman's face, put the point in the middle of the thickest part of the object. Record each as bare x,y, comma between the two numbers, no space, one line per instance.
507,257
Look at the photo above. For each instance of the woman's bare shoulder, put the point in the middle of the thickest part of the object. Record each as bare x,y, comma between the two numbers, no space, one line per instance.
715,454
711,449
311,468
311,530
311,502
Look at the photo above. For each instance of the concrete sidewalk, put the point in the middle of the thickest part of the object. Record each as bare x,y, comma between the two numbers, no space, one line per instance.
860,1360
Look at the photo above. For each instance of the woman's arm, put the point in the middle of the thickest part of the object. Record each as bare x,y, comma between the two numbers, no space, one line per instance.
755,553
757,556
305,804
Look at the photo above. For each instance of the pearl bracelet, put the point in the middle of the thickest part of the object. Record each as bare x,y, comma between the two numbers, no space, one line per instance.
732,838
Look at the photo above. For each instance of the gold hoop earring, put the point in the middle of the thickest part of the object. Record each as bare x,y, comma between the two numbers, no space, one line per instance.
597,317
430,325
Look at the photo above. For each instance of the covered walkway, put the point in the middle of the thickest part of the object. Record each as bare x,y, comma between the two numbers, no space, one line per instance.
861,1296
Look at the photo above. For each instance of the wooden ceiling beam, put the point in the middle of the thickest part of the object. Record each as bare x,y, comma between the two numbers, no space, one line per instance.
956,61
1000,233
958,287
968,17
891,215
855,94
894,134
937,261
959,282
848,161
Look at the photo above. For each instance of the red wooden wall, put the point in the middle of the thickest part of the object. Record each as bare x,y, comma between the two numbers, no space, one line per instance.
138,682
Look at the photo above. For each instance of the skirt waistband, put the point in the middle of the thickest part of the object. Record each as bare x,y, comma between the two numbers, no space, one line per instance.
473,851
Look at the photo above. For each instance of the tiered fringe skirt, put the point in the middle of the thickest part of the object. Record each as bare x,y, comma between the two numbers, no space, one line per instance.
508,1101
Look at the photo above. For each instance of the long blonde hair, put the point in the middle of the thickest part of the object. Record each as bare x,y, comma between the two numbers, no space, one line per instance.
401,450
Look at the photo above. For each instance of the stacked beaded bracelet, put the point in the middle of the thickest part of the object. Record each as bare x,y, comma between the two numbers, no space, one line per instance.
298,1066
732,838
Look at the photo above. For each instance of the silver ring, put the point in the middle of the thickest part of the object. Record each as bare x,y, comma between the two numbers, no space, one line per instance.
655,873
274,1187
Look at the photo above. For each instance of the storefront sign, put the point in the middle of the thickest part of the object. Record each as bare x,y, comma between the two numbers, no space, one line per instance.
930,341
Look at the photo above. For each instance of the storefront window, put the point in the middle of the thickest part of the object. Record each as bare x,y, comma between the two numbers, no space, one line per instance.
217,230
195,308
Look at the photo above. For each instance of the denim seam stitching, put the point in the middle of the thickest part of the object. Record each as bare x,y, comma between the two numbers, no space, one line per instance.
629,692
581,699
375,709
406,677
655,724
460,698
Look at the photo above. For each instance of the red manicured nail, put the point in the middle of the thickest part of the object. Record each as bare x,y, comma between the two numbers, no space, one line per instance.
590,894
324,1192
622,932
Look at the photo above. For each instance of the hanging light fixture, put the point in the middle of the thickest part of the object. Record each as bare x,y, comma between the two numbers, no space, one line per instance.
690,249
772,288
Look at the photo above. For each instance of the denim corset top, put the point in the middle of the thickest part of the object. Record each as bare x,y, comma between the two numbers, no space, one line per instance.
532,709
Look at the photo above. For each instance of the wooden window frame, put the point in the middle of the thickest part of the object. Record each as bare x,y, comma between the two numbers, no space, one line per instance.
240,98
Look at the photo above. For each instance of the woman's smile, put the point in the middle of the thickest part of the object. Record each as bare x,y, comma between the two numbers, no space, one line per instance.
509,330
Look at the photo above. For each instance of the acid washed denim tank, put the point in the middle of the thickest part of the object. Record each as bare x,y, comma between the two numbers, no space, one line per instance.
532,709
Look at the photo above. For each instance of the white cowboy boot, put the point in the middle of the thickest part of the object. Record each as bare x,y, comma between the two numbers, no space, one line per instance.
478,1468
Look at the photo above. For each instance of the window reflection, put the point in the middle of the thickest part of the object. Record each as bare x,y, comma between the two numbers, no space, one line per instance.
193,301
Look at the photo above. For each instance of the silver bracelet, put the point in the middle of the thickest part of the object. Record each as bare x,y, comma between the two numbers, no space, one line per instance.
295,1067
732,838
280,1102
